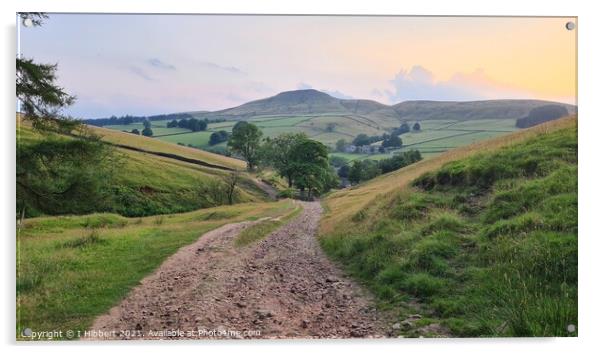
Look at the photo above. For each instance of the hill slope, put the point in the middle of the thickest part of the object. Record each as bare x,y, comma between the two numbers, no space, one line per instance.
481,240
470,110
145,183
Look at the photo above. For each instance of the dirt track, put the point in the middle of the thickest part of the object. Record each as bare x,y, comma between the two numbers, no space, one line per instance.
280,287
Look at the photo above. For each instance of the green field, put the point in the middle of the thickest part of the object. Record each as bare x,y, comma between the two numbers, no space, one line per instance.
200,139
435,137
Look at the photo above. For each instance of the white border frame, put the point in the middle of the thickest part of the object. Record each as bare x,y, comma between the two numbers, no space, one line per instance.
589,108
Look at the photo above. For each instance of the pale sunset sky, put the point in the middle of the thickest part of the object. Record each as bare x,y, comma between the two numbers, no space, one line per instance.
153,64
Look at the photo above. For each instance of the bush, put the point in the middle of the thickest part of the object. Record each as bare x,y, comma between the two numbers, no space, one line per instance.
288,193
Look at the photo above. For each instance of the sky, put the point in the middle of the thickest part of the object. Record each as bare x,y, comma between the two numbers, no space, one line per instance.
119,64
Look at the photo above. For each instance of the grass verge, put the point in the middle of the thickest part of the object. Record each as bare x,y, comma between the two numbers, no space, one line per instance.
484,245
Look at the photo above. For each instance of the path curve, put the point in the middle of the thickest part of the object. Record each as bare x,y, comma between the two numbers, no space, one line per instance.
281,287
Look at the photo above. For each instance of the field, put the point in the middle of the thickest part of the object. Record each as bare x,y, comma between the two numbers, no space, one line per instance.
435,137
70,269
157,145
481,240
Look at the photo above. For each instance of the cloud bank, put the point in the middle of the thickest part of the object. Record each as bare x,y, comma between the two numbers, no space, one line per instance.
419,83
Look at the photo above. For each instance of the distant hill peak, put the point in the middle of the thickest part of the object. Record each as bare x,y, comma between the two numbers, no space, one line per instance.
312,101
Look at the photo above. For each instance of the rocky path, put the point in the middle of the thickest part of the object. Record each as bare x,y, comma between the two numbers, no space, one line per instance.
280,287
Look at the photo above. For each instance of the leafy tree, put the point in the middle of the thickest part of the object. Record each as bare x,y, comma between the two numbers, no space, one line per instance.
362,139
392,141
344,171
218,137
277,152
64,176
172,124
400,160
147,131
404,128
193,124
312,174
135,131
245,141
416,126
340,145
355,172
57,175
337,161
147,124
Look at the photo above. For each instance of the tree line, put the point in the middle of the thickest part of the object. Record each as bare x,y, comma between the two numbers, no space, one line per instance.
129,119
542,114
392,140
363,170
196,125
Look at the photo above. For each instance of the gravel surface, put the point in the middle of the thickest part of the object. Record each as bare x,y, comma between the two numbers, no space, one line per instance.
280,287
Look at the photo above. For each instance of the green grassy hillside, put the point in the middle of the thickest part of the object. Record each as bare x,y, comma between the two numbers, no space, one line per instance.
482,241
145,184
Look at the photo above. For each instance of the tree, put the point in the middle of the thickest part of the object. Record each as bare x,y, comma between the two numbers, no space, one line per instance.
231,181
57,175
337,161
218,137
340,145
542,114
355,172
404,128
135,131
392,141
344,171
64,176
172,124
400,160
277,152
416,127
147,131
361,139
363,170
311,171
41,99
245,141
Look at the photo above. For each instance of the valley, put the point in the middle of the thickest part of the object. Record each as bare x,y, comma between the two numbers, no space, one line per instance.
444,125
